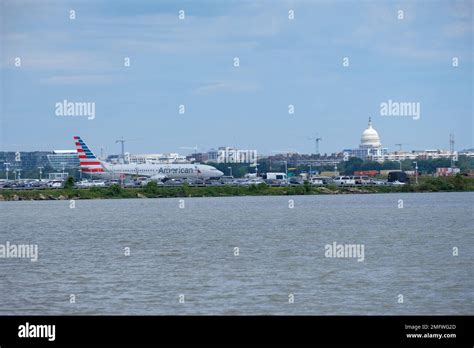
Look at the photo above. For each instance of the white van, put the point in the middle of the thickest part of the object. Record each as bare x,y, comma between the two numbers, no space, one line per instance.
343,181
275,176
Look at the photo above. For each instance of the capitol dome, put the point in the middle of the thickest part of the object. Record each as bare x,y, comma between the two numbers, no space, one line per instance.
370,137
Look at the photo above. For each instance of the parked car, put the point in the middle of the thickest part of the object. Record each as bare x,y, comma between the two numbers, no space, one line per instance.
215,183
197,181
55,184
255,181
343,181
296,180
88,183
396,183
174,182
317,181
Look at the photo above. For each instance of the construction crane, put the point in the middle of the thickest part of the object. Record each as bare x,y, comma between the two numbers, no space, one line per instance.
122,141
316,139
451,149
400,146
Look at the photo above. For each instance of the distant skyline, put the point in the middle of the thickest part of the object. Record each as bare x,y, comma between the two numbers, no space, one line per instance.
423,55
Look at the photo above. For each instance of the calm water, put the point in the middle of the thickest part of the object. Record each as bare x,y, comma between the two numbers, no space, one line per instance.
190,251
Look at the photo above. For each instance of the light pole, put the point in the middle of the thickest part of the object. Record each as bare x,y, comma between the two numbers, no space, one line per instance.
335,170
256,167
230,171
41,171
309,176
416,172
64,167
7,168
286,168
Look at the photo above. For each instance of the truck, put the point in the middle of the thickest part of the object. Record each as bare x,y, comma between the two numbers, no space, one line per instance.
399,176
370,173
274,176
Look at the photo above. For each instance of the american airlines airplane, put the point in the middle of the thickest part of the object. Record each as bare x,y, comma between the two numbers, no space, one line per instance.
89,163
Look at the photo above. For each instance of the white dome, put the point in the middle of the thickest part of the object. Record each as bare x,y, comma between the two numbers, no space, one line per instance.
370,137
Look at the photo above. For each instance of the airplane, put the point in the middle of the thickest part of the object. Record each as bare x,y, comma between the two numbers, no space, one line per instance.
89,163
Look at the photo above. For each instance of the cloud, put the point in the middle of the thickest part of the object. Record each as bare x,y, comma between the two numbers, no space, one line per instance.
78,79
459,29
45,58
226,87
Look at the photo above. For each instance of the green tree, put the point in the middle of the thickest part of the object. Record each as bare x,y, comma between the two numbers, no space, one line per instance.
115,190
151,187
351,165
69,183
307,186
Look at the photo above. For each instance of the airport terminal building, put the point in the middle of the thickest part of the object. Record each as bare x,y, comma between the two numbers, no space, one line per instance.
63,159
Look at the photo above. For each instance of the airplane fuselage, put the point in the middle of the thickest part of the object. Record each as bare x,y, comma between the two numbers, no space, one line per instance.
90,164
162,171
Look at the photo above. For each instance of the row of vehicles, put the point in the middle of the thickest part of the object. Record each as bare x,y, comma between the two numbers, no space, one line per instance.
395,178
45,184
355,180
30,184
251,179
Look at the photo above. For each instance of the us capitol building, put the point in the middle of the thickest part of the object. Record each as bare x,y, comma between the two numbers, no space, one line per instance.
370,147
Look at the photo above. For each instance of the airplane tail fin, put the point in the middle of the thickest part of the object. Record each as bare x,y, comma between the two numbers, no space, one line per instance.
89,163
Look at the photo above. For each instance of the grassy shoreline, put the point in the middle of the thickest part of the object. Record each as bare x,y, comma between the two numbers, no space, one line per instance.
451,184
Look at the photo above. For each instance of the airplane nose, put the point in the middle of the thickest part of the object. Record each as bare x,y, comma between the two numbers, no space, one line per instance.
220,173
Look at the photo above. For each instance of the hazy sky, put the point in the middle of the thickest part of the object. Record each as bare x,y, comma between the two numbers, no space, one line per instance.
191,62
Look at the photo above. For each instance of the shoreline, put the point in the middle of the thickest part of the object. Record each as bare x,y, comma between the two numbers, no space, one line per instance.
154,191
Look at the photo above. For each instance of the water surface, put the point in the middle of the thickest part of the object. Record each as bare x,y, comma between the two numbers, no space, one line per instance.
190,251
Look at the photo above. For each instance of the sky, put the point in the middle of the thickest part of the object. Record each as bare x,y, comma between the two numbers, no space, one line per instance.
403,57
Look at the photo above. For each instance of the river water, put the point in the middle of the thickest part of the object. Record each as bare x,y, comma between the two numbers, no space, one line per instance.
182,256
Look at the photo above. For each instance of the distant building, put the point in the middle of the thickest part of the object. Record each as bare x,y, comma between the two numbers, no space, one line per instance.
114,159
468,153
447,171
63,159
148,158
198,157
157,158
297,159
370,149
415,155
212,155
24,160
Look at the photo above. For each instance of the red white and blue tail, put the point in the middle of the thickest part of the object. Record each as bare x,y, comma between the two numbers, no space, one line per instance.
89,163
